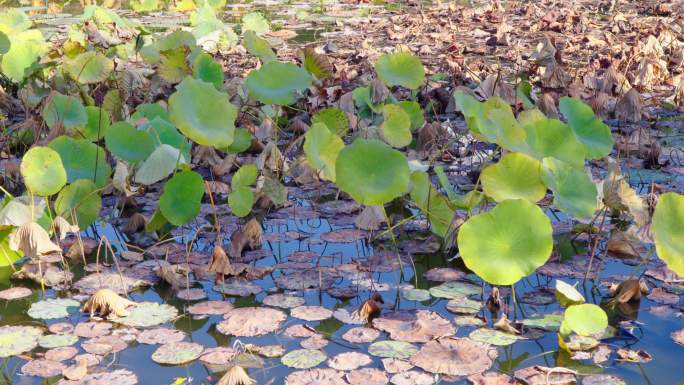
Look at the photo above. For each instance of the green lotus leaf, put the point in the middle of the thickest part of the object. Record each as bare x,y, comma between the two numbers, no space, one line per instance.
371,172
506,243
177,353
163,132
303,358
668,231
464,305
490,121
396,126
334,119
454,289
149,111
173,65
160,164
51,341
493,337
433,204
515,176
400,69
241,142
148,314
259,47
588,128
277,83
25,49
274,190
509,133
206,68
182,197
240,201
530,117
392,349
96,128
585,319
13,21
83,198
255,21
82,159
549,322
551,137
573,190
43,171
128,143
53,308
15,340
144,6
65,110
89,67
202,113
322,148
7,255
419,295
567,294
5,43
414,112
204,21
245,176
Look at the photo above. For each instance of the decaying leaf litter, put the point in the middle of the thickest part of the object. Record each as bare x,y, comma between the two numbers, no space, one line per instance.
297,279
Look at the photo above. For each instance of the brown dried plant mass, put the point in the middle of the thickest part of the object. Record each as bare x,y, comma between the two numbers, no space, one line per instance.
106,302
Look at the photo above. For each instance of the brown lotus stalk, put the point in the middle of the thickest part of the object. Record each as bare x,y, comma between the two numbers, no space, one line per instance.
236,375
105,302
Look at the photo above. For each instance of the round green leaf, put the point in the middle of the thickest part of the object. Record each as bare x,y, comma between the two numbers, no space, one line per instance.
322,148
82,159
515,176
668,231
57,340
82,197
241,200
255,21
245,176
53,308
241,142
149,111
396,126
585,319
89,67
303,358
259,47
43,171
206,68
182,197
507,243
415,113
455,289
371,172
551,137
493,337
549,322
147,314
202,113
431,202
588,128
567,294
419,295
98,123
392,349
160,164
128,143
25,49
277,83
65,110
573,190
400,69
143,6
15,340
334,119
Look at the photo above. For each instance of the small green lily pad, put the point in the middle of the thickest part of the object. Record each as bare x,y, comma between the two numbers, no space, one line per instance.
455,289
147,314
550,322
392,349
493,337
57,340
463,305
53,308
419,295
177,353
18,339
303,358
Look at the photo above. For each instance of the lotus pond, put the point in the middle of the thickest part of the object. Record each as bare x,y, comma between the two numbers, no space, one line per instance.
197,192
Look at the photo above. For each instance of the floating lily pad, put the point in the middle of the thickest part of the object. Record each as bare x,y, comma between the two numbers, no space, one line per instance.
42,368
303,358
603,379
118,377
493,337
585,319
121,284
251,321
177,353
311,313
15,340
57,340
550,322
147,314
419,295
455,357
455,289
409,326
349,361
283,301
53,308
412,377
463,305
211,308
13,293
392,349
315,376
60,354
238,288
160,336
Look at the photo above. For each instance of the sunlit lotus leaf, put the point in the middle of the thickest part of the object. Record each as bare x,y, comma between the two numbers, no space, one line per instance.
241,141
173,65
463,305
668,231
159,165
258,47
311,313
128,143
419,295
163,132
182,197
361,335
414,112
431,202
455,289
588,128
118,377
251,321
322,148
149,111
283,301
515,176
420,326
551,137
89,67
573,190
144,6
277,83
493,337
372,172
53,308
202,113
206,68
177,353
506,243
549,322
148,314
121,284
238,287
14,20
303,358
43,171
396,126
392,349
400,69
84,199
4,43
82,159
413,377
15,340
96,128
490,128
334,119
57,340
509,133
349,361
255,21
567,294
315,376
65,110
25,50
455,357
585,319
240,201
